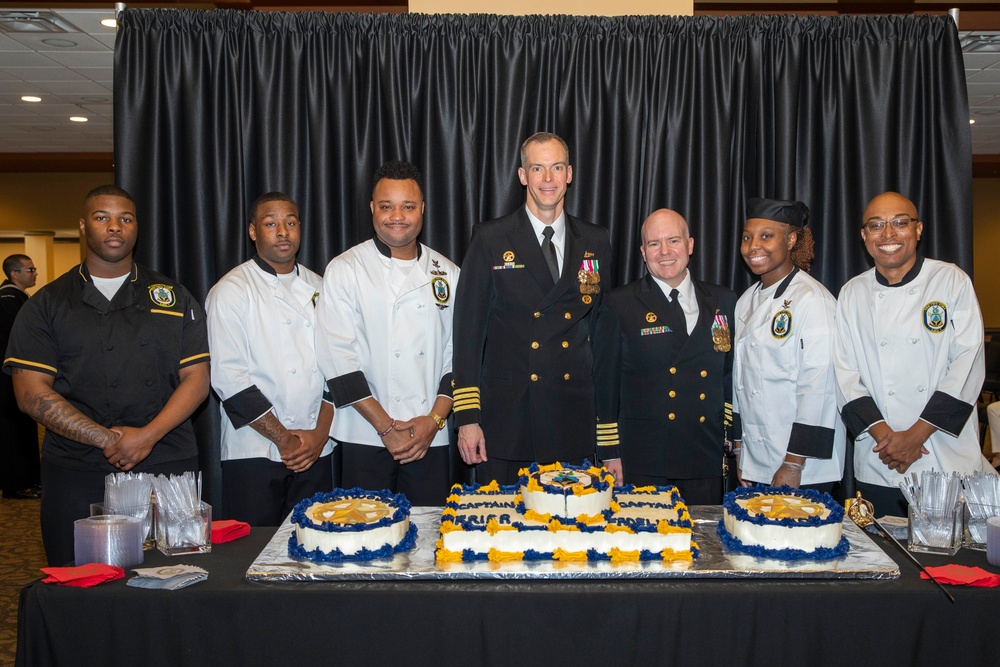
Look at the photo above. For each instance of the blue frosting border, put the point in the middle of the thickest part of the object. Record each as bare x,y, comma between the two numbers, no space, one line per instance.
729,504
822,553
599,483
296,550
397,500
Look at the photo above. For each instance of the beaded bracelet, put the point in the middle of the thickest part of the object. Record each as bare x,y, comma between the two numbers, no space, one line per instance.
387,429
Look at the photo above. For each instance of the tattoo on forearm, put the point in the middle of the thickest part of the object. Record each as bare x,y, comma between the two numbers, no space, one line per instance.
269,427
57,414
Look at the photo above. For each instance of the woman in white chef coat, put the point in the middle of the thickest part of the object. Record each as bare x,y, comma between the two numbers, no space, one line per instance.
786,426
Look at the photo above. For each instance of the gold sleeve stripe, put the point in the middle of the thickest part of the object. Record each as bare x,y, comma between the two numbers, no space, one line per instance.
610,443
203,355
466,390
166,312
30,363
608,427
467,405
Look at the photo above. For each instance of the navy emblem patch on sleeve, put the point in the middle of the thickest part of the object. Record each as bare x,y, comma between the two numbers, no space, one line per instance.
781,324
162,295
442,291
935,317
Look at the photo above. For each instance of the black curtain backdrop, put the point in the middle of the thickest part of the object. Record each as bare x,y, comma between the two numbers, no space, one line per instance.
213,108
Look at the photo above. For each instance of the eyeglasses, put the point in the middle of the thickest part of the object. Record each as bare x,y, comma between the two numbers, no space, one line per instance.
31,270
899,223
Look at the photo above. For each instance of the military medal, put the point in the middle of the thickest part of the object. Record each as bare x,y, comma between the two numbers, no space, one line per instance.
589,277
508,262
720,333
437,269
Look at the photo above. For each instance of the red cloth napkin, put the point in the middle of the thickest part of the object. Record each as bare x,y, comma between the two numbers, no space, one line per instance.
90,574
962,575
228,530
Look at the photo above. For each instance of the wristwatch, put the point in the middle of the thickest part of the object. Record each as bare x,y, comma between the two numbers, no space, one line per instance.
437,420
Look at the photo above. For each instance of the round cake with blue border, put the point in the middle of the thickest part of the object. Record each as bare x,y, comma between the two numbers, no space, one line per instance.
351,525
783,523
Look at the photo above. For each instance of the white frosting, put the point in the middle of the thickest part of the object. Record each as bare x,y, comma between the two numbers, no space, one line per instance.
803,538
570,505
350,542
480,541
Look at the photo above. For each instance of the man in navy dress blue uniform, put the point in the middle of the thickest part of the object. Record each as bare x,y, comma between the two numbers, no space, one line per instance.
531,282
663,365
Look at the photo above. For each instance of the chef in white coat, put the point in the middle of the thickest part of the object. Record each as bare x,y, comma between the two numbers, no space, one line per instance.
909,359
261,329
786,424
385,347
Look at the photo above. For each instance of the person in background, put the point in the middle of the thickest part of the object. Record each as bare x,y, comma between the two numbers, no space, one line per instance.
909,359
261,331
384,343
112,359
785,408
663,370
524,387
20,473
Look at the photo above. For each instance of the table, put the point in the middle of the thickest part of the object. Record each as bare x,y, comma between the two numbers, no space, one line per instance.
228,620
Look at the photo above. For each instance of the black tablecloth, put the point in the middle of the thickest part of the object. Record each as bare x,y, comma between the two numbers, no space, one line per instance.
228,620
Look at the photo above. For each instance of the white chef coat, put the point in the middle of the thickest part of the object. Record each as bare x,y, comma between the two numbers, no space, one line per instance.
401,341
261,333
890,349
783,375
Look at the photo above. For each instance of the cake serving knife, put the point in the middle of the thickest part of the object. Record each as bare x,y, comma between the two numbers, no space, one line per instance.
862,513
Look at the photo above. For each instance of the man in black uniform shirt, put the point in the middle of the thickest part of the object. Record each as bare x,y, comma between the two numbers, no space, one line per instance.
19,472
522,364
663,366
112,359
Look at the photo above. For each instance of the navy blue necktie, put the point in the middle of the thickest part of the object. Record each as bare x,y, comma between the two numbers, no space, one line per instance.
678,322
549,251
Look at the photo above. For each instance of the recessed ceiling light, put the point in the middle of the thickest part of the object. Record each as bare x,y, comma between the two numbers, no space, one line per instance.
109,23
30,98
79,119
61,43
972,121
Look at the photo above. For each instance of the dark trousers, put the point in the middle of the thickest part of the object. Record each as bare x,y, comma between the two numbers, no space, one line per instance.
21,467
505,471
698,491
424,483
263,492
67,495
888,500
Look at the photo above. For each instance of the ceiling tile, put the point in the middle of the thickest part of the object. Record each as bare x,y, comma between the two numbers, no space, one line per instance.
103,60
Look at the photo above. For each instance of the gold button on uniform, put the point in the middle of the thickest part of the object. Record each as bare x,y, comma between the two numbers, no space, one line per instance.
672,393
671,416
537,314
566,377
534,345
704,374
534,377
701,397
568,316
565,343
673,371
701,419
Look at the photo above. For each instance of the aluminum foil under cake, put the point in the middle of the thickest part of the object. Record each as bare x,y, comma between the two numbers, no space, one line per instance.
865,560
